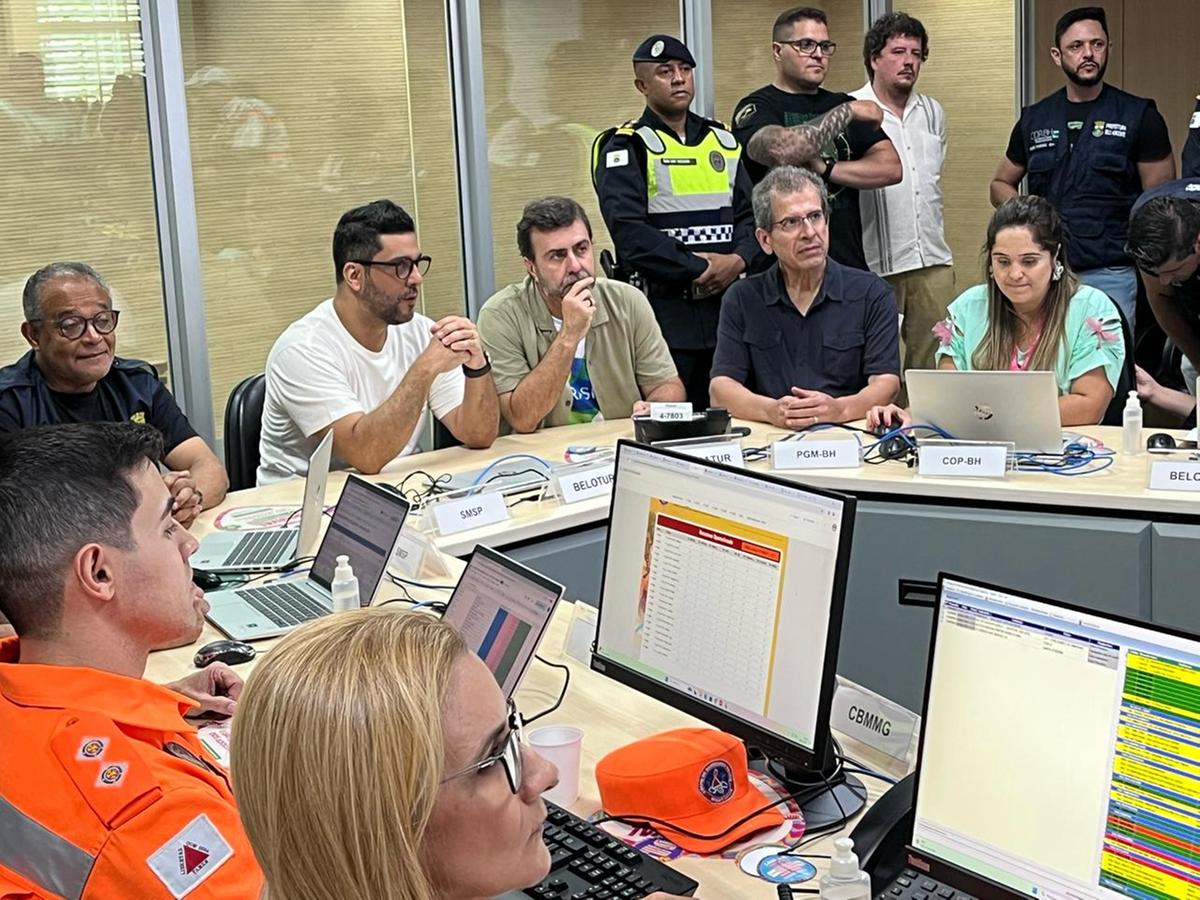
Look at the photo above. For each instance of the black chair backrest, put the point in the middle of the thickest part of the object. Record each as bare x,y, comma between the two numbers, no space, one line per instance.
1128,380
243,428
442,436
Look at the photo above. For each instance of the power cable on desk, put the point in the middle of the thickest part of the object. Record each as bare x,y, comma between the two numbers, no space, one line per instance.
397,579
561,694
488,470
290,568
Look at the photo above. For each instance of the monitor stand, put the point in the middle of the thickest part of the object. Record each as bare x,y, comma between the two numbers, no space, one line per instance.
817,802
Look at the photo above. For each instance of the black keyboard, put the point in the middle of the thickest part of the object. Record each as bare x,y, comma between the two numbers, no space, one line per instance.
585,862
912,885
260,548
284,604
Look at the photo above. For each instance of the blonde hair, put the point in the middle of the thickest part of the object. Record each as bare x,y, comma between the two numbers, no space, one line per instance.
995,350
337,754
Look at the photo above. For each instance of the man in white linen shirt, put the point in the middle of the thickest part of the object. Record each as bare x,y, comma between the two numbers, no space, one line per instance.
367,366
903,231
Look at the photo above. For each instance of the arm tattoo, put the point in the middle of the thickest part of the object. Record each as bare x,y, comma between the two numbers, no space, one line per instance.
820,131
775,145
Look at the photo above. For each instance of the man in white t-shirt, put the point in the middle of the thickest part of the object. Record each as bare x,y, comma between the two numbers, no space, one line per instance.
367,365
903,228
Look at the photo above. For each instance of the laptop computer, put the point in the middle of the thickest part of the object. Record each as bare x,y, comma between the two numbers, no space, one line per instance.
1021,407
365,526
266,549
1058,754
502,608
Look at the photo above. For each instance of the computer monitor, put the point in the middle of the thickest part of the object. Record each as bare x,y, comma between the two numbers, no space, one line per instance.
722,596
1060,751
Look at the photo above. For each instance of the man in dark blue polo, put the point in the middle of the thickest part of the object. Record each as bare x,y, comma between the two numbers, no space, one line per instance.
809,340
72,374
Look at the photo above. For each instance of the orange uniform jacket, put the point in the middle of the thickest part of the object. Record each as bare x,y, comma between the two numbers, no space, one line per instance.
106,792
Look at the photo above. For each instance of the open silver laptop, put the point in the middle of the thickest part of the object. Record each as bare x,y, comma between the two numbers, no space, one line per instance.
1021,407
501,608
266,549
365,526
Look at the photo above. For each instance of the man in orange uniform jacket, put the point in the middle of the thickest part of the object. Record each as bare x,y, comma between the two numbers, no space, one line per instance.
105,790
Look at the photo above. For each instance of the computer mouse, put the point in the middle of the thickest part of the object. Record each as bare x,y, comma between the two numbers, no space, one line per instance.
1160,441
229,652
882,428
206,580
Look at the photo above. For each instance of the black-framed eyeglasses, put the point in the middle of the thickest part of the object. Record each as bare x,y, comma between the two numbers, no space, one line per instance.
792,224
807,46
402,268
508,756
73,327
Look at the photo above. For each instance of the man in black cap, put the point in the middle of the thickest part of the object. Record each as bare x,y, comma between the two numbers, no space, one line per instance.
676,199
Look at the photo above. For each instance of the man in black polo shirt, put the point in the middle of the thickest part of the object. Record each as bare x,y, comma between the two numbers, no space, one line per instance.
72,375
809,340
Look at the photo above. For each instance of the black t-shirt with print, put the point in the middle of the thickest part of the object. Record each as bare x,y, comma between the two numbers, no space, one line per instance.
771,106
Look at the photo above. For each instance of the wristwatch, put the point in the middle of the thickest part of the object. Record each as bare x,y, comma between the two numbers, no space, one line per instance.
482,370
828,173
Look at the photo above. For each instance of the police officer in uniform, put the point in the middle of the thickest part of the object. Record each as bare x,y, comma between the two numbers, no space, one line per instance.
1090,149
676,199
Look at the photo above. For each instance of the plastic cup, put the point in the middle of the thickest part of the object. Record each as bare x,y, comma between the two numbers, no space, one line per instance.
562,745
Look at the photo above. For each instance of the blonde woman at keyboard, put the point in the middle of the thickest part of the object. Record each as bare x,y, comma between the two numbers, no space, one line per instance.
375,756
1032,313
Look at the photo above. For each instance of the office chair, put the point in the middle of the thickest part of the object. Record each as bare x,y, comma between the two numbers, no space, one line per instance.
1128,379
243,428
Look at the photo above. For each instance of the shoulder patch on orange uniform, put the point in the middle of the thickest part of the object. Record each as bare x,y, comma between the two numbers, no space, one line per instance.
105,767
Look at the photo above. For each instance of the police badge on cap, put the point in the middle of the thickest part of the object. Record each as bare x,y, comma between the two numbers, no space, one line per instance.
663,48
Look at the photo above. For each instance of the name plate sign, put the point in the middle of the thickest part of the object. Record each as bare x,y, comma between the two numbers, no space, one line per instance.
728,452
963,460
1168,475
582,484
475,511
670,412
874,720
833,454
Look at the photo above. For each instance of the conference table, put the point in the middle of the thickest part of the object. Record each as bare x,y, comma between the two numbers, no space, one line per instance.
1103,541
1052,535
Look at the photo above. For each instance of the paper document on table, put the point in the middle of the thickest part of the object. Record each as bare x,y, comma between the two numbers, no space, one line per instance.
214,736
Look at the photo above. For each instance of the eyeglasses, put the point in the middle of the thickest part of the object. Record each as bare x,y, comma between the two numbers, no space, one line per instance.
402,268
792,224
807,46
73,327
509,754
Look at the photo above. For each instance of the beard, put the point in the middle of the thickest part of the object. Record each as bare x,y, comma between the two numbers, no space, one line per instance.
560,290
388,307
1093,77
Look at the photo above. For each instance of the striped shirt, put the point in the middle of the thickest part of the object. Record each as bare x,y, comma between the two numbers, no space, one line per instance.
903,228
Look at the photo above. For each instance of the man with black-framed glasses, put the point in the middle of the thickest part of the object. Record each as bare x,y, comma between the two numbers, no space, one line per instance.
72,374
774,124
367,366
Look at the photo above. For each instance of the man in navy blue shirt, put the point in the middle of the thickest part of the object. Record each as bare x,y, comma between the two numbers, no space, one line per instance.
73,375
809,340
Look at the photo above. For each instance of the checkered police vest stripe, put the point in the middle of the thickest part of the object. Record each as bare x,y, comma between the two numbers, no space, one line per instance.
701,234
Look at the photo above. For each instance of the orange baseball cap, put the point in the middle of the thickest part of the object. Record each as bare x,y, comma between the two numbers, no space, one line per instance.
693,778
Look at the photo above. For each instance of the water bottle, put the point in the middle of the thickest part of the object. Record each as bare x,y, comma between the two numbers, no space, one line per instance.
344,587
845,881
1131,435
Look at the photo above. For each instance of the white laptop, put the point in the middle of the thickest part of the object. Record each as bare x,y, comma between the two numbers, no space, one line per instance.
365,526
266,549
1021,407
501,608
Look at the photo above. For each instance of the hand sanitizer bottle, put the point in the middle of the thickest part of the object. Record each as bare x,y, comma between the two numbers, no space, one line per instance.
344,587
845,881
1131,435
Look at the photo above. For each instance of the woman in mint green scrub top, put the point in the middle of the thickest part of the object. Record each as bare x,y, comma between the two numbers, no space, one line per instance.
1032,313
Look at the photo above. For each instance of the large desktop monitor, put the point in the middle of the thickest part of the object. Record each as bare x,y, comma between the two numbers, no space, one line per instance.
1060,753
722,596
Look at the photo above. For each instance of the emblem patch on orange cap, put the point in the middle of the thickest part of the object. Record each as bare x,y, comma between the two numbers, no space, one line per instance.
716,781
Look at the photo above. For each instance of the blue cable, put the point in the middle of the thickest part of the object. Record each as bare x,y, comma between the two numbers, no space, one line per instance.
537,459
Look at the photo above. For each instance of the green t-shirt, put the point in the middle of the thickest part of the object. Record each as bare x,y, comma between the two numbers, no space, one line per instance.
1091,335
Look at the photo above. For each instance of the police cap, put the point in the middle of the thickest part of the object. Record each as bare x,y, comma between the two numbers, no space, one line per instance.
663,48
